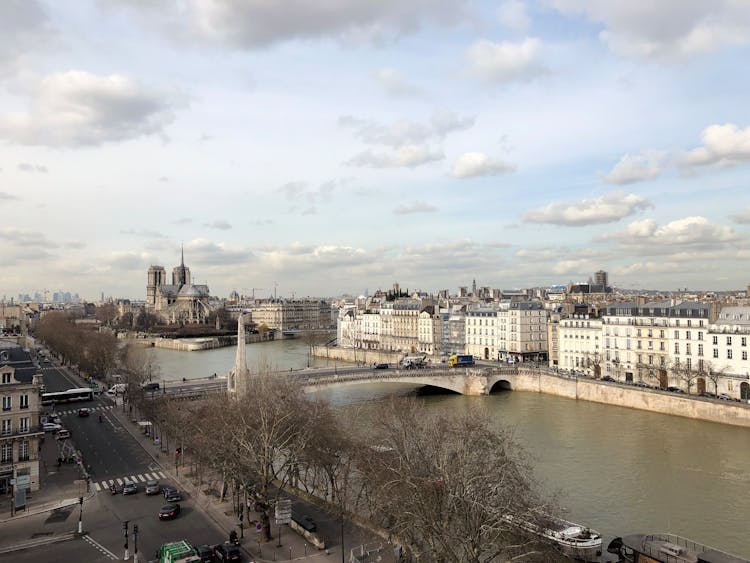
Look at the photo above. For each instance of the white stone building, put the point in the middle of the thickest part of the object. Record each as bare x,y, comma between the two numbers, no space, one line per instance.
580,344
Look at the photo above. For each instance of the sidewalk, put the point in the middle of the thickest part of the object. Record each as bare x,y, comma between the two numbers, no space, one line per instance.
294,546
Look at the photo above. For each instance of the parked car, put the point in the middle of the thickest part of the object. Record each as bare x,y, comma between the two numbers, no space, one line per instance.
380,366
707,394
725,397
607,378
152,487
206,553
51,427
226,552
129,488
151,386
675,390
169,511
307,523
62,434
84,412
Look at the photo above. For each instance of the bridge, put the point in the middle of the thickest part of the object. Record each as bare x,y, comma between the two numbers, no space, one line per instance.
480,380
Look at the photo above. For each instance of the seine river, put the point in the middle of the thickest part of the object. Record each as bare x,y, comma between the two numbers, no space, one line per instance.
617,470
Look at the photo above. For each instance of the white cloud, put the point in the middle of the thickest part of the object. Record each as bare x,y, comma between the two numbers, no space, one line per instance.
414,207
471,164
506,61
209,253
28,167
605,209
667,28
219,225
23,28
5,196
743,217
394,84
406,156
258,23
723,145
76,108
512,14
690,231
633,168
19,237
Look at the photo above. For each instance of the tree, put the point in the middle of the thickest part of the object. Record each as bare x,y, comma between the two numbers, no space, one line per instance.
686,374
106,313
714,374
450,488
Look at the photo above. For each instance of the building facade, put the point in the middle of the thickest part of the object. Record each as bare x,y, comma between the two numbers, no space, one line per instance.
179,302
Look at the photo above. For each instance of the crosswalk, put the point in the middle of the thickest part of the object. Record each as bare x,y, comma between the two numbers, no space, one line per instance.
101,410
140,478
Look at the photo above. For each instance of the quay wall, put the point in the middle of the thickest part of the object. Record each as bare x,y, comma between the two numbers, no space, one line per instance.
357,355
202,343
723,412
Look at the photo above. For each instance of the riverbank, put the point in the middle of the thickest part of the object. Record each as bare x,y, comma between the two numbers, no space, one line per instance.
357,355
201,343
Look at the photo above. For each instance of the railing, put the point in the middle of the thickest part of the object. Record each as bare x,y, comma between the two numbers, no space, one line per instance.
20,431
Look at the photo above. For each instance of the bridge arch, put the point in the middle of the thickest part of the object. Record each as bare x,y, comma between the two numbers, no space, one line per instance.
500,384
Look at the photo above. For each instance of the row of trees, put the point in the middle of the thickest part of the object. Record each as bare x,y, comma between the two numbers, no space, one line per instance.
442,487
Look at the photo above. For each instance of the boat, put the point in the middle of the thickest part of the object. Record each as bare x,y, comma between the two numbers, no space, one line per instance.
667,548
573,540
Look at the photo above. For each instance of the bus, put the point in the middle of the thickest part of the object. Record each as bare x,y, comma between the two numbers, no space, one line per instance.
79,394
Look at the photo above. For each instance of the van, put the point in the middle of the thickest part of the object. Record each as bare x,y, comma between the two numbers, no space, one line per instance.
117,388
151,386
62,434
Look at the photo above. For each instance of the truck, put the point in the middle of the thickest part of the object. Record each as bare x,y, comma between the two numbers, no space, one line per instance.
178,552
460,360
413,362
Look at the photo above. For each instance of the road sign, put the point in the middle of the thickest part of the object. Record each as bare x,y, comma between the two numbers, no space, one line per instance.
23,479
259,527
283,511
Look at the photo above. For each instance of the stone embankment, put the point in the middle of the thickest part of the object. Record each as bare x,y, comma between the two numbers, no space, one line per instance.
357,355
201,343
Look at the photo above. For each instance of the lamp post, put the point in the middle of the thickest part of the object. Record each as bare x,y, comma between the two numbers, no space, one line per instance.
135,543
80,515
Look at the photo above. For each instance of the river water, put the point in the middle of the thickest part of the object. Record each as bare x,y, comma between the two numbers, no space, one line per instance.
617,470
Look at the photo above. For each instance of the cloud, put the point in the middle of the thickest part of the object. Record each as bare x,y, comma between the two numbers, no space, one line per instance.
5,196
691,231
183,221
664,29
743,217
292,190
26,167
472,164
506,61
205,252
146,233
512,14
163,179
407,156
23,28
723,145
219,225
414,207
19,237
394,84
605,209
637,168
251,24
76,108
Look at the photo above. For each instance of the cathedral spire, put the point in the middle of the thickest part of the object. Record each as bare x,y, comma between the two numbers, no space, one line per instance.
182,254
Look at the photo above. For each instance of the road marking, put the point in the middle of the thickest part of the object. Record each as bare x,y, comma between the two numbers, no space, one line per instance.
133,479
100,547
98,488
163,476
142,478
119,481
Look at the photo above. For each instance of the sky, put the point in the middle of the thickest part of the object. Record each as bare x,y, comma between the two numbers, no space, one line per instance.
323,147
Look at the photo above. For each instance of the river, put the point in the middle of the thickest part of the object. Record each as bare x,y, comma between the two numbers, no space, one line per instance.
617,470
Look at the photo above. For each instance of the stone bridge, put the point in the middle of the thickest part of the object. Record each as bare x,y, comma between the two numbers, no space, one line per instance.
465,381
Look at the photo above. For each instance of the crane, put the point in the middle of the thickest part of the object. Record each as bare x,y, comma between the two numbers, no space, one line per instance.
246,289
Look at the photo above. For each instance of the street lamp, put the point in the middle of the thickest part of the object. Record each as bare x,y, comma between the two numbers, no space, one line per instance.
80,515
135,543
125,531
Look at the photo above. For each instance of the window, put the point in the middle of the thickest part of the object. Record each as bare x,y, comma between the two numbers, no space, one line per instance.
6,427
690,323
7,403
6,454
687,334
716,340
729,354
24,402
700,335
661,334
687,349
729,340
700,366
744,341
700,349
676,334
6,377
650,360
24,425
23,451
676,348
689,363
716,352
744,354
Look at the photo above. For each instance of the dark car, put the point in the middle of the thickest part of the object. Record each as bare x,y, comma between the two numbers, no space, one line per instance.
84,412
381,366
129,488
226,552
206,553
675,390
169,511
166,489
607,378
307,523
173,496
151,386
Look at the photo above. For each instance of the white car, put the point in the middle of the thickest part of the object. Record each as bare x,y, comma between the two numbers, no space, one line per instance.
51,427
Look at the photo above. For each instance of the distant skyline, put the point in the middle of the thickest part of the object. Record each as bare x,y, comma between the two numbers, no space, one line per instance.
336,146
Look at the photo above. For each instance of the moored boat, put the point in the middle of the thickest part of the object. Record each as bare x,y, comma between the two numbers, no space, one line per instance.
667,548
573,540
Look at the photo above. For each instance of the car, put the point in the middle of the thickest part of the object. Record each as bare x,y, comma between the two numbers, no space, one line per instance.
607,378
725,397
173,496
169,511
151,386
380,366
84,412
62,434
675,390
129,488
152,487
166,489
206,553
51,427
226,552
307,523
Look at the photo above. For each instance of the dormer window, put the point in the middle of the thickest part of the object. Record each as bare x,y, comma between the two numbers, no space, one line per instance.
6,377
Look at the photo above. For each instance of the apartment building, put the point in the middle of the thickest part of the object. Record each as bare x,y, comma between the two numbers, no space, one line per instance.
728,341
399,325
525,332
579,344
20,431
482,332
429,331
292,314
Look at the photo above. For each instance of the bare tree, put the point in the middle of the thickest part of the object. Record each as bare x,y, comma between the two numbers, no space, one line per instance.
686,374
450,488
714,374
